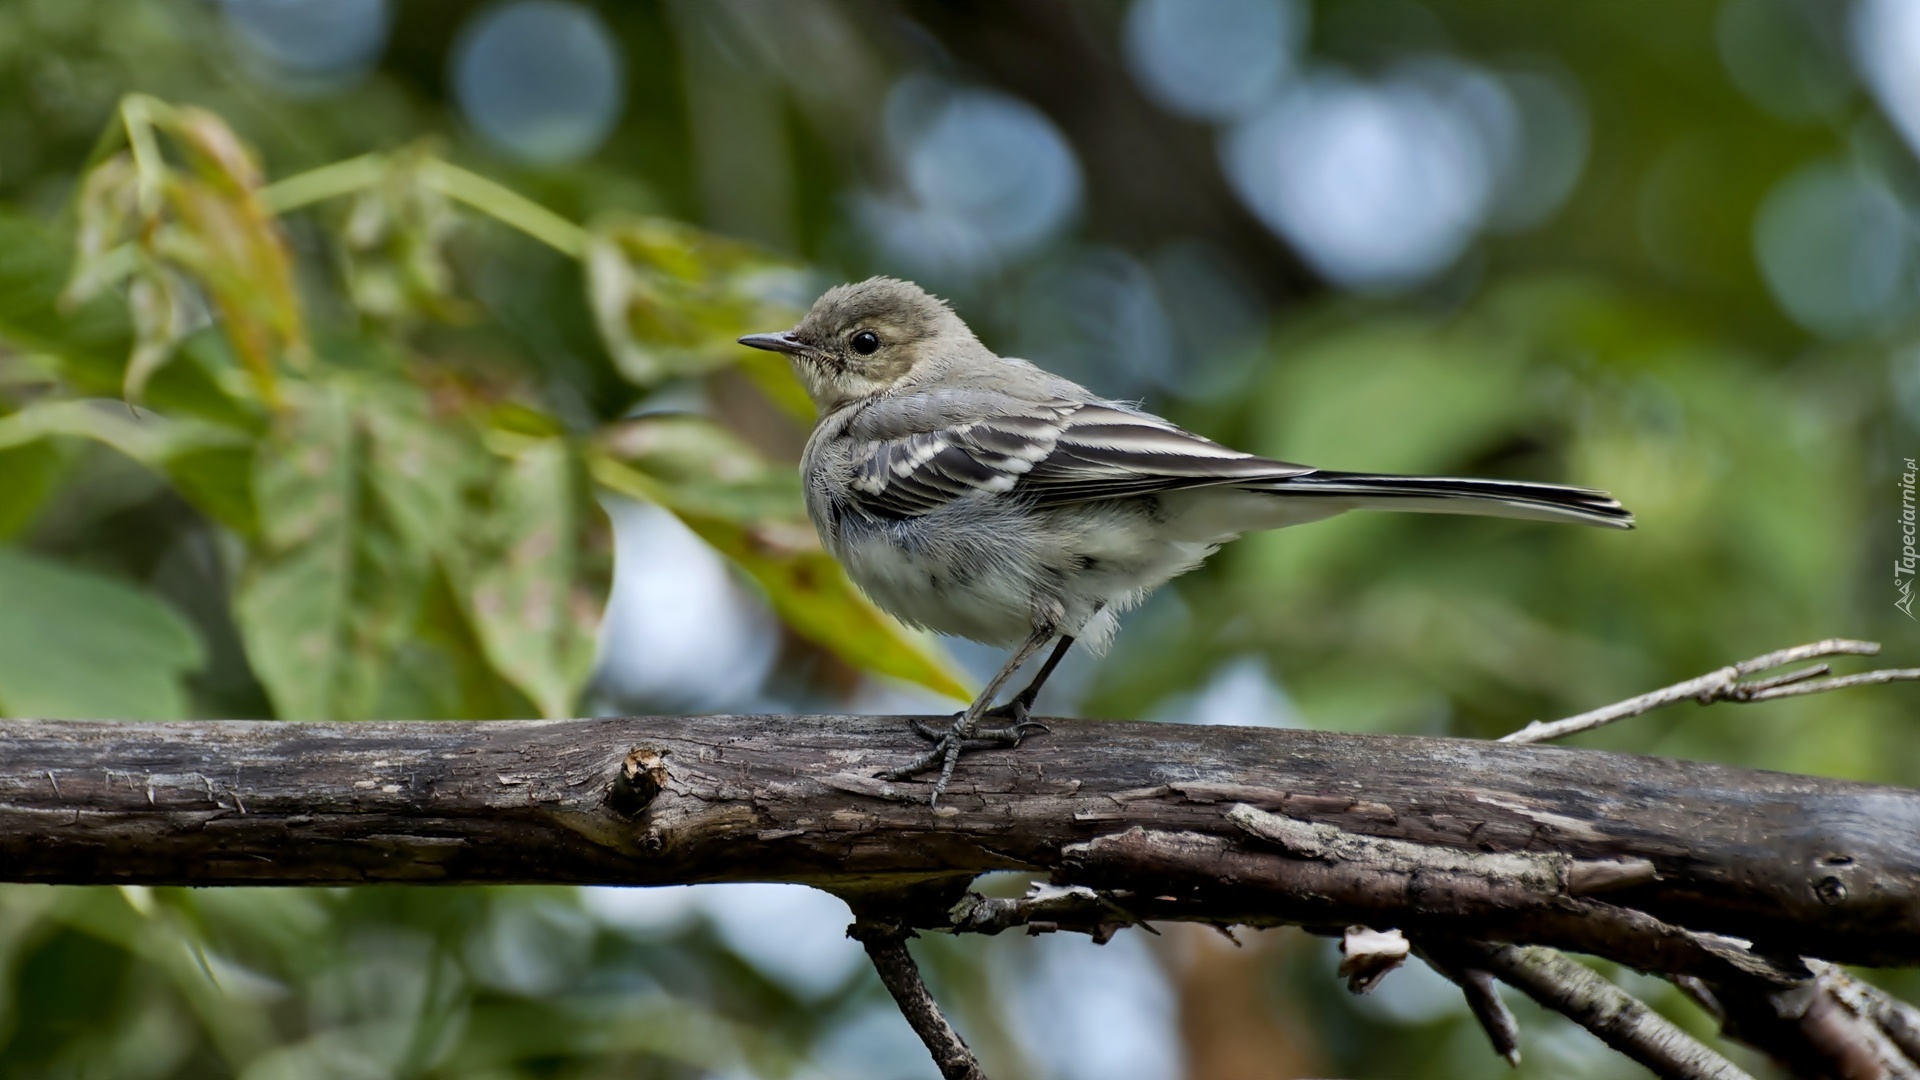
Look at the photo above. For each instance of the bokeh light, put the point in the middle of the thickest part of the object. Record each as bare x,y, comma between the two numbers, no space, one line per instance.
1214,59
310,43
1092,1012
1886,45
1546,160
1834,248
1788,56
1095,316
679,633
1376,184
987,178
541,79
1240,691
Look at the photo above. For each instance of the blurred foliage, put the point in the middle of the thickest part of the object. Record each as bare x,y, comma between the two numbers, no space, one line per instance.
308,397
392,505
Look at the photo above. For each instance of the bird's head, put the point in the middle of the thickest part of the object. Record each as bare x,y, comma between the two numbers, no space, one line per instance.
863,338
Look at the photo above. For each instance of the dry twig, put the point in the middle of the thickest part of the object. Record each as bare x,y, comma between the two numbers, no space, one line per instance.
1726,685
886,945
1617,1017
1483,998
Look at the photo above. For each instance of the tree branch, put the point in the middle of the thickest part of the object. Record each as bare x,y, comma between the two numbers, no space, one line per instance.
886,945
1619,1019
1483,998
1717,878
1802,866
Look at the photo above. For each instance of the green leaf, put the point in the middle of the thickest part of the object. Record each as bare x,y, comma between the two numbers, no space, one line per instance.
31,472
394,244
807,589
146,437
79,645
429,480
670,299
403,569
534,616
331,598
422,470
295,601
218,480
161,305
709,469
91,342
209,464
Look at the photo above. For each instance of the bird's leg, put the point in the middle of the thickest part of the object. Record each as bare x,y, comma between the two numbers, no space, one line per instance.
1017,711
946,752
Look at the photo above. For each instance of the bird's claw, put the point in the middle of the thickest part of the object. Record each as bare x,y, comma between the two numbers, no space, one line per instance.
933,734
1010,735
919,765
950,742
1004,735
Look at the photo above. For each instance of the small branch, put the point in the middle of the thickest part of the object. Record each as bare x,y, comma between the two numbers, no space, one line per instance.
1483,998
886,945
1701,994
505,205
1617,1017
1826,1026
1505,896
1899,1020
326,182
1725,685
495,200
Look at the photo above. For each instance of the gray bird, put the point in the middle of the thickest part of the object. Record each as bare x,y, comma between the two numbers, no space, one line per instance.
977,495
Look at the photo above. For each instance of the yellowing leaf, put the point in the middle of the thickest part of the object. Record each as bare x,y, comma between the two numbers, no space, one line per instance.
162,316
807,589
218,154
103,250
233,249
178,233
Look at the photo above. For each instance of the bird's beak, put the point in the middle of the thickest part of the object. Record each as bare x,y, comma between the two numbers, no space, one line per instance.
783,342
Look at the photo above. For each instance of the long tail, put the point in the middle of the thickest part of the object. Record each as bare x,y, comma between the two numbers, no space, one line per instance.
1459,495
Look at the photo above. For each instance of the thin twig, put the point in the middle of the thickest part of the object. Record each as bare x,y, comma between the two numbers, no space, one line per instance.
1701,994
1725,685
1617,1017
886,945
1483,998
1838,682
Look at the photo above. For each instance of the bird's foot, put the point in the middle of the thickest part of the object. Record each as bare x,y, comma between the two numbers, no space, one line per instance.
1014,727
948,744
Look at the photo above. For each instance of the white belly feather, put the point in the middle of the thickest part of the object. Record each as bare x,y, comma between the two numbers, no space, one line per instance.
1073,569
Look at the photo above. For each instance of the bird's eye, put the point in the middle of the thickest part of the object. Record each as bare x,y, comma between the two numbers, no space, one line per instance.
866,343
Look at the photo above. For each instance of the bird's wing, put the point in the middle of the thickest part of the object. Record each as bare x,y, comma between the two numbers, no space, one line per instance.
1046,454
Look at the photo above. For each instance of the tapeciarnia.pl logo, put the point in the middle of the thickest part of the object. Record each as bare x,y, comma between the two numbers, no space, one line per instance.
1903,567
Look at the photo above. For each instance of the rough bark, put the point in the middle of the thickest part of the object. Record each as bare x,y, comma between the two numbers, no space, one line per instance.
1798,865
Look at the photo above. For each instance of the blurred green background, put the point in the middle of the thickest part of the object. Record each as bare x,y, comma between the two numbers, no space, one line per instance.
374,359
